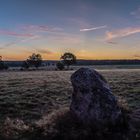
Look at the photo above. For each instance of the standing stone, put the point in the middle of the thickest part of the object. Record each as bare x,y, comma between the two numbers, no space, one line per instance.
134,121
92,100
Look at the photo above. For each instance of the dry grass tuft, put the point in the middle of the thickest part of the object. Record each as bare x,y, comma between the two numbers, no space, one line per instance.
13,129
61,124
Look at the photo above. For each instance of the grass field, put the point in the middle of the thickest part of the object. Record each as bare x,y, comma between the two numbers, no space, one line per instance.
30,94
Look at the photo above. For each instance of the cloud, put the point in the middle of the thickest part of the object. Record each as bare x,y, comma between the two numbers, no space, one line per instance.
20,37
137,56
91,29
112,42
66,39
28,32
121,33
44,51
10,44
41,28
12,33
21,40
136,13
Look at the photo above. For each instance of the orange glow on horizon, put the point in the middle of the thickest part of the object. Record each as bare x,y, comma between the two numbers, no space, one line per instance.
85,56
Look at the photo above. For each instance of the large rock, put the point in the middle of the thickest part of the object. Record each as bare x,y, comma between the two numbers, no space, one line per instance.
134,121
92,101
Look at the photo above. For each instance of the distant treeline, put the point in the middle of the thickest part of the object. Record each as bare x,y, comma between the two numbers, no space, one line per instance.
80,62
108,62
19,63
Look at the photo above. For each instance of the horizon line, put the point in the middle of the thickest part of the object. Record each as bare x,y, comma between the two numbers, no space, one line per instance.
82,59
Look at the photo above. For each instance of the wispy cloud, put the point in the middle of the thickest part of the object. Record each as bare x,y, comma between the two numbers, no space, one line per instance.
137,56
13,33
92,29
112,42
66,39
41,28
44,51
19,37
121,33
136,13
25,33
21,40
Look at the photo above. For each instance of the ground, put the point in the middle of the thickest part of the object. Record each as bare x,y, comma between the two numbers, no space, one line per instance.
28,95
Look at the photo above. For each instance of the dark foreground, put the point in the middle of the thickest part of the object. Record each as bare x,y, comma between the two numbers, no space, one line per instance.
28,98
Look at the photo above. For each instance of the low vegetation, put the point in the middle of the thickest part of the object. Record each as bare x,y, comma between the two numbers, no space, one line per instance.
3,66
35,60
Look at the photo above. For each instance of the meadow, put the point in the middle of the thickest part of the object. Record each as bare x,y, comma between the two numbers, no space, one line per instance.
28,95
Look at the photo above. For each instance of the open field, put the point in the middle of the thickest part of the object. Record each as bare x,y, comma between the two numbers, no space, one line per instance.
30,94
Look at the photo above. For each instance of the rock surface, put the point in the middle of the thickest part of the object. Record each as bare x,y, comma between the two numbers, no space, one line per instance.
92,100
135,120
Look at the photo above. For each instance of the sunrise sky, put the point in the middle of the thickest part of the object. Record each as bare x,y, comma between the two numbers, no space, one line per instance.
91,29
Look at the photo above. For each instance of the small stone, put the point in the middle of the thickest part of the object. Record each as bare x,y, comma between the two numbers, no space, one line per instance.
92,100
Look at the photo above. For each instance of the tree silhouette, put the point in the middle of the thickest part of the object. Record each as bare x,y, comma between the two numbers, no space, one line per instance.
3,66
35,60
25,65
68,59
0,58
60,65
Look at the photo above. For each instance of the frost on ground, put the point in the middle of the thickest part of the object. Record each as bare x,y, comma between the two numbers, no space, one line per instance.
27,96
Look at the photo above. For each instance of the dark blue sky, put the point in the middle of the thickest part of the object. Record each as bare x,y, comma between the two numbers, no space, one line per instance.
92,29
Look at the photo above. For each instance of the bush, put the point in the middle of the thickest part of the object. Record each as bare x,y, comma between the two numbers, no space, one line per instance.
3,66
62,124
35,60
25,65
60,66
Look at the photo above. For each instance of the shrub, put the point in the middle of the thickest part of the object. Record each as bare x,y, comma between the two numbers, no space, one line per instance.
25,65
3,66
60,66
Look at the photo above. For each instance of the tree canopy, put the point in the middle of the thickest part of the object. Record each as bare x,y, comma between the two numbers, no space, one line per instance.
68,59
3,66
35,60
60,66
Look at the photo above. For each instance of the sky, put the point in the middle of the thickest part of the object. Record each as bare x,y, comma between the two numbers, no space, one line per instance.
91,29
